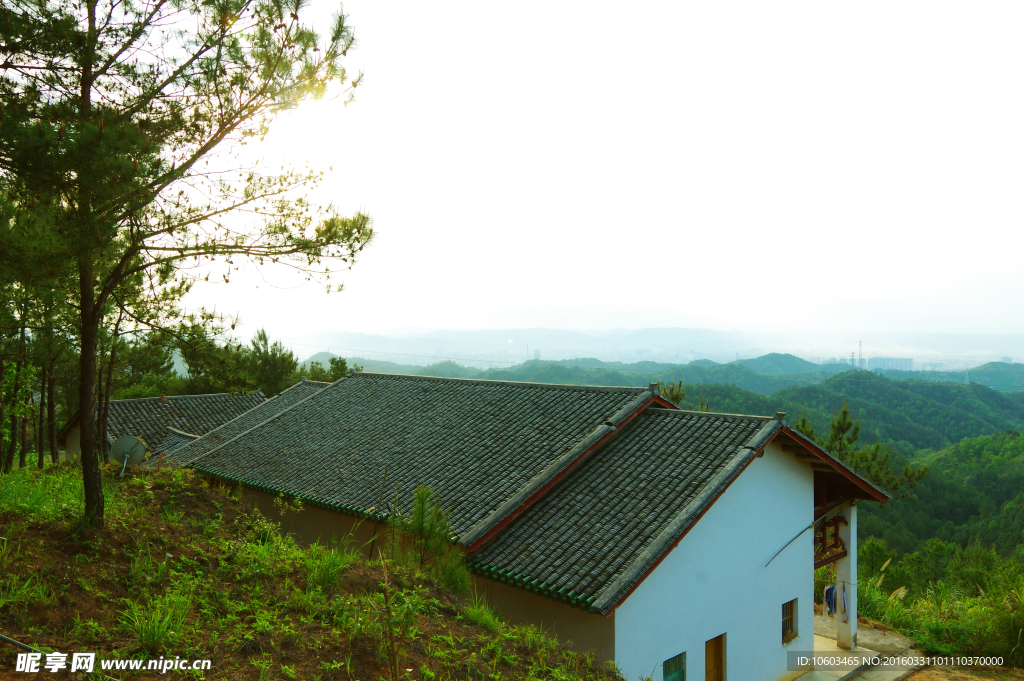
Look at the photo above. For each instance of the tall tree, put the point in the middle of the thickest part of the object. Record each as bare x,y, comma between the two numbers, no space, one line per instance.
872,461
272,367
111,113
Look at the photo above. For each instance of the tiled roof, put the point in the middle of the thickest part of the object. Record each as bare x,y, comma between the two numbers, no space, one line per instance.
175,439
593,537
484,447
196,449
149,418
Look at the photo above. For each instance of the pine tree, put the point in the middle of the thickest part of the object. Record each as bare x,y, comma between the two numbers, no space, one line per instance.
110,113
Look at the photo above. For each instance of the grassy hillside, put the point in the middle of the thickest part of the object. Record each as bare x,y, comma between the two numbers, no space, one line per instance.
183,569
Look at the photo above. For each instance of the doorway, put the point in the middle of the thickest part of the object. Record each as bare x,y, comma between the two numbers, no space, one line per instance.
714,659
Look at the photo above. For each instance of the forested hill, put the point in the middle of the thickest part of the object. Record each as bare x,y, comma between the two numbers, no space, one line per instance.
907,415
974,491
1001,376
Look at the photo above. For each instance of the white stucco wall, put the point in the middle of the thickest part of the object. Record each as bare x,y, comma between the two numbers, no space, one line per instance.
715,581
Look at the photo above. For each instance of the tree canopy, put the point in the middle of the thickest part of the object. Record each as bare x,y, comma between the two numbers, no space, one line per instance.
118,188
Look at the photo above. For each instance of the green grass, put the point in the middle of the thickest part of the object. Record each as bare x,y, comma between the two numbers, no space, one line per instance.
55,493
950,620
158,623
325,565
480,613
238,591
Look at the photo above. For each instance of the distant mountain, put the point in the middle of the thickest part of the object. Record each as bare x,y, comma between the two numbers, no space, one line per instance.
777,364
1001,376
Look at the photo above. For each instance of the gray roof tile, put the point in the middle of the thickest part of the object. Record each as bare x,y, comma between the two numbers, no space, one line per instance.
596,526
477,444
150,419
189,452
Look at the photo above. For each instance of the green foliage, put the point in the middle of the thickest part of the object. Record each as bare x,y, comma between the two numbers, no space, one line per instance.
55,494
156,624
337,369
871,461
431,543
950,599
272,368
325,564
971,494
479,612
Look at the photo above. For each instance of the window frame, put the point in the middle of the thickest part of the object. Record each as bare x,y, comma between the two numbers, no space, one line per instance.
678,672
790,634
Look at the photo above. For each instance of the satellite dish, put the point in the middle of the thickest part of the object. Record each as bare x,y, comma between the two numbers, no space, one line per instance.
128,451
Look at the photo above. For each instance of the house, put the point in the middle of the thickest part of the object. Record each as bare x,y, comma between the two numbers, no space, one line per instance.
163,422
181,450
673,542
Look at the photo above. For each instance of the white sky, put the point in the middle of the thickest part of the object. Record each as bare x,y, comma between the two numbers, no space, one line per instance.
735,165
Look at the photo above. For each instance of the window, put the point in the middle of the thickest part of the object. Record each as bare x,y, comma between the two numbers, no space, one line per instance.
789,621
674,669
714,659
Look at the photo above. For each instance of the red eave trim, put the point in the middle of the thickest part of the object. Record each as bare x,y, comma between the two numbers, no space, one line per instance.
831,461
674,544
654,400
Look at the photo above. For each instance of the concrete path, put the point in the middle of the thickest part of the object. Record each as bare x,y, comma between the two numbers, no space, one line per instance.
870,641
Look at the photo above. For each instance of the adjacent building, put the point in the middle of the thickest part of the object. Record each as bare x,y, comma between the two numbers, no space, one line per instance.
675,542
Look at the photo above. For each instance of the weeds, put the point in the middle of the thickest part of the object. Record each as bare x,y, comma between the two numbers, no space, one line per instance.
242,593
324,566
55,493
397,618
157,624
28,591
480,613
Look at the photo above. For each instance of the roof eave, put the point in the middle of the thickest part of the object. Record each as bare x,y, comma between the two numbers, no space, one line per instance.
873,492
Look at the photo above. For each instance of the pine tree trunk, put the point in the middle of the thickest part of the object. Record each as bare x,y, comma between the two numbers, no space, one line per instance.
99,397
40,434
109,389
15,430
91,477
23,452
3,370
51,413
12,446
25,437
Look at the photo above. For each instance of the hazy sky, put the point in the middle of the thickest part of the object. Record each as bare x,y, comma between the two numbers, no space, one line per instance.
784,166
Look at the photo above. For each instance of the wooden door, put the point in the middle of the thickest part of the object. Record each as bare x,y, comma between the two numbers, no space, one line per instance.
714,659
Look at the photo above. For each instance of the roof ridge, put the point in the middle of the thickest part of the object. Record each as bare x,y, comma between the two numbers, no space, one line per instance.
687,517
259,423
526,384
691,412
180,397
182,432
566,461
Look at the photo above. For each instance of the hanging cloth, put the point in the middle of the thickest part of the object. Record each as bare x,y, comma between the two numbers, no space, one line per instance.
846,612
